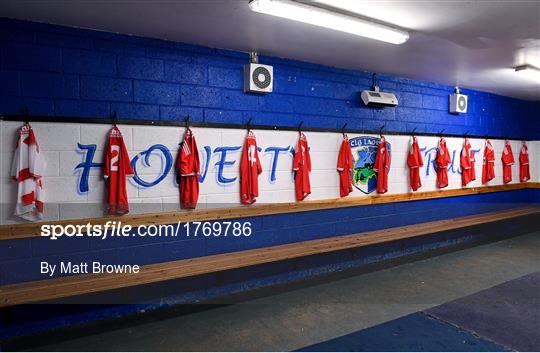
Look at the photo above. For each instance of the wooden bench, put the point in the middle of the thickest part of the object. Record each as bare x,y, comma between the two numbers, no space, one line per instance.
29,230
44,290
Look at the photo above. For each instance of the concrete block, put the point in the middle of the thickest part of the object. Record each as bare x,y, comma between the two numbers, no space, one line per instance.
31,57
57,136
82,109
49,85
11,84
412,100
136,111
146,136
180,113
200,96
62,189
156,93
225,77
89,62
140,68
185,73
106,89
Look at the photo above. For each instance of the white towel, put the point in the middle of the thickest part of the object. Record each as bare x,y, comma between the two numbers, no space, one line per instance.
26,169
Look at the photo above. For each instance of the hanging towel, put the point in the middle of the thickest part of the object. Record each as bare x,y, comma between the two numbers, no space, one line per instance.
26,169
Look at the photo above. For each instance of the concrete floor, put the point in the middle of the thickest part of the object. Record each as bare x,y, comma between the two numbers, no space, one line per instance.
301,317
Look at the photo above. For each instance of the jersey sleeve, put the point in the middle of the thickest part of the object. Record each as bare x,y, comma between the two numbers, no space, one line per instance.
341,161
349,163
107,161
297,157
186,158
419,156
128,169
378,159
465,160
387,160
258,161
308,158
182,160
196,160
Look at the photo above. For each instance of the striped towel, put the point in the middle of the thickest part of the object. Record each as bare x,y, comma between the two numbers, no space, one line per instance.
26,169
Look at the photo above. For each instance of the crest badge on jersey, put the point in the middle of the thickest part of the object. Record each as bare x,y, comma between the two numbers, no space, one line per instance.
364,151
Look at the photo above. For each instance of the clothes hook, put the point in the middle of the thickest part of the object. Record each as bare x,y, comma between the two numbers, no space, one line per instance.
248,123
440,132
381,130
300,126
343,129
114,118
413,130
26,113
187,120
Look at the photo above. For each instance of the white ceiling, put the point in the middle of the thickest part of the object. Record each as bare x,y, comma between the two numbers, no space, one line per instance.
473,44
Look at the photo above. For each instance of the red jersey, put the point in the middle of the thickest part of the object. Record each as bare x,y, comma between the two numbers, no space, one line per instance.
507,159
302,167
524,172
188,165
414,162
442,160
345,167
488,165
250,168
473,164
116,168
467,163
382,166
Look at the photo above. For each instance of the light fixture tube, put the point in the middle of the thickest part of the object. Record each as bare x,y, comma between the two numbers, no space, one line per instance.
301,12
529,71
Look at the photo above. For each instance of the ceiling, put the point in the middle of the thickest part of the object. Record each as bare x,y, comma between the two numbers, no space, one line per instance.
473,44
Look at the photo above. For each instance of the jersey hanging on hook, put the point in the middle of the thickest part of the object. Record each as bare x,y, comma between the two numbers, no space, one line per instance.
415,162
250,169
345,167
524,171
302,168
116,168
507,160
187,169
382,166
466,163
488,164
442,160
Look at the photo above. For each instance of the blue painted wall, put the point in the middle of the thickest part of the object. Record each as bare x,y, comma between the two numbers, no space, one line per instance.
66,71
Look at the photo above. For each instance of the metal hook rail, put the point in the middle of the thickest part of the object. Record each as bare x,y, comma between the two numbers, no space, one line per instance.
26,117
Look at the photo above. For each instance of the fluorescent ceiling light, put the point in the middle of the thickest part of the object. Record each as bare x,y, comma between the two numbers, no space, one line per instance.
529,71
297,11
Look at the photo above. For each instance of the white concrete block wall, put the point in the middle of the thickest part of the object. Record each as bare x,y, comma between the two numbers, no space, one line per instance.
58,143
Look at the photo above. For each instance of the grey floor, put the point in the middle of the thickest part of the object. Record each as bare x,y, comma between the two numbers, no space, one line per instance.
298,318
